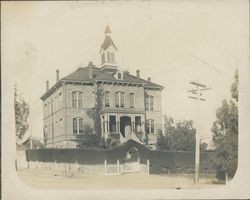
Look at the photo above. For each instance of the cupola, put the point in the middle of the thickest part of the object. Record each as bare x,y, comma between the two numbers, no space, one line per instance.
108,52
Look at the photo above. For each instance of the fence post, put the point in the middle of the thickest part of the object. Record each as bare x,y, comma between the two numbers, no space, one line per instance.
105,166
65,168
55,166
139,164
148,165
118,166
76,165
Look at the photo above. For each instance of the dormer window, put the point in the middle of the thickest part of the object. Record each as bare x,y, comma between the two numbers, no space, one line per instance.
119,76
103,58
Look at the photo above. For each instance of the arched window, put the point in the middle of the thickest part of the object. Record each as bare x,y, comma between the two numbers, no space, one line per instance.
112,57
106,99
103,58
77,125
149,126
108,56
119,99
132,100
77,99
119,75
149,104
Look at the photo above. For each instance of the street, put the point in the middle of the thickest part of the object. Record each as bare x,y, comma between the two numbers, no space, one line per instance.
52,180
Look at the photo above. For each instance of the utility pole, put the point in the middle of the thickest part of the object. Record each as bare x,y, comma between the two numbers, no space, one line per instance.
197,92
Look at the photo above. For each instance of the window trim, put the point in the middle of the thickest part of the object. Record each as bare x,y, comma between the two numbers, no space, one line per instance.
78,130
151,126
79,101
107,99
120,105
133,99
149,103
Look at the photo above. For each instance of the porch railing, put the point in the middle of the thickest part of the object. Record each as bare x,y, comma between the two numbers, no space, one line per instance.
122,139
134,137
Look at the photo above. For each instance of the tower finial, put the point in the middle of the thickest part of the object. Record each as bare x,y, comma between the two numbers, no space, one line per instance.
107,30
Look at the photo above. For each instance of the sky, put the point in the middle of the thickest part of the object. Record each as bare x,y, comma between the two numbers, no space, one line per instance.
173,42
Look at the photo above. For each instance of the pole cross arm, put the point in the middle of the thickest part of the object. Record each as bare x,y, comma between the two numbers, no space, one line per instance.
201,99
197,84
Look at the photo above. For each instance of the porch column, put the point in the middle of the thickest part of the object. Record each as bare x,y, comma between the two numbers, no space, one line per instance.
105,124
143,124
118,124
133,124
102,126
108,124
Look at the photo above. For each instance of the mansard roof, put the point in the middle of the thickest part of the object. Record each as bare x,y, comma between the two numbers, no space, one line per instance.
100,75
82,74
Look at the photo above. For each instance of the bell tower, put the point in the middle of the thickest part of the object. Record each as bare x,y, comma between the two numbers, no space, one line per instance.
108,52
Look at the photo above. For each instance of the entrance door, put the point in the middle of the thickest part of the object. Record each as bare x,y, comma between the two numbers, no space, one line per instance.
125,125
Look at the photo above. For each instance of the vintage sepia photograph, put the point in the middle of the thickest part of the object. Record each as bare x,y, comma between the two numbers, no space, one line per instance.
124,96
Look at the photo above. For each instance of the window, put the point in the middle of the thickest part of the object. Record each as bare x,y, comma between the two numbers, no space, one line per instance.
60,100
132,100
77,99
45,109
49,131
52,104
56,129
106,99
56,104
119,99
103,58
45,136
122,99
149,126
149,104
61,126
112,57
108,56
49,108
77,125
119,76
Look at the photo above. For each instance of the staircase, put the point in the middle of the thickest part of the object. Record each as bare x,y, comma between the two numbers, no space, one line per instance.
134,137
122,139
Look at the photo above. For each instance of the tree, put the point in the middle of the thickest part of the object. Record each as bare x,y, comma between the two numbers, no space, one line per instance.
234,87
178,136
225,135
21,114
95,112
36,143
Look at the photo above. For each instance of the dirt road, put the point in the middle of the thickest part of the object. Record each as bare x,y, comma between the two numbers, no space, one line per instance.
124,181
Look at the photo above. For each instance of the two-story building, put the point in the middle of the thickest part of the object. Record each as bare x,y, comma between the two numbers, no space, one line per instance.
131,106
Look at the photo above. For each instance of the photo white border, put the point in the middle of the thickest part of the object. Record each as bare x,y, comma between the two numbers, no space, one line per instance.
14,188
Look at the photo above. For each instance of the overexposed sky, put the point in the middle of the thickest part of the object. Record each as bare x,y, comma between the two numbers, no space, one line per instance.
173,42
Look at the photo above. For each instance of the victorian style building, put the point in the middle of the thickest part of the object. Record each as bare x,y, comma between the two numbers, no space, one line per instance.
131,106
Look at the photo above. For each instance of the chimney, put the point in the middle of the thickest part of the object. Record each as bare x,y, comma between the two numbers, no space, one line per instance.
57,75
90,70
149,79
138,74
47,86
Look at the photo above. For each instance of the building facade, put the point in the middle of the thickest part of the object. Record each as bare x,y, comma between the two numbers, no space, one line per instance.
130,107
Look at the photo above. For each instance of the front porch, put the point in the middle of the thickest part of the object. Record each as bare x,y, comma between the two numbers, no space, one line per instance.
127,126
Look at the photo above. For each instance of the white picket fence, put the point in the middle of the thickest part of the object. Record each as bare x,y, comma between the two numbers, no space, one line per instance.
105,168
